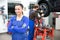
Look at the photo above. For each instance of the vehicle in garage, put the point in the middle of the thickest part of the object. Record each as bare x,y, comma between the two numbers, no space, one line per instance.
49,6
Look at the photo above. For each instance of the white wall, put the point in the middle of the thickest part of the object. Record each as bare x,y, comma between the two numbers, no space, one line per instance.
57,23
57,12
3,27
4,3
50,18
46,20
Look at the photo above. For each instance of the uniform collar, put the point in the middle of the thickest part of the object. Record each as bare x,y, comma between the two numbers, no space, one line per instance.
19,18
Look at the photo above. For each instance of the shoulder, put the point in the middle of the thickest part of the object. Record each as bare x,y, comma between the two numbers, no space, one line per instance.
25,18
12,18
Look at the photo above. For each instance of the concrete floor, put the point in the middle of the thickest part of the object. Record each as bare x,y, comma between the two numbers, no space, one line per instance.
57,35
6,36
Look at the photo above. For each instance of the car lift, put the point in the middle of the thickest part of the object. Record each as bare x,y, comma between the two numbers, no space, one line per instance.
42,31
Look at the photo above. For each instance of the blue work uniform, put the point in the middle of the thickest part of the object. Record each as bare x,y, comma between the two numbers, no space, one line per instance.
18,28
31,30
31,27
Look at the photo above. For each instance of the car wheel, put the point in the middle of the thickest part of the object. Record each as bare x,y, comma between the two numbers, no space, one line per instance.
45,8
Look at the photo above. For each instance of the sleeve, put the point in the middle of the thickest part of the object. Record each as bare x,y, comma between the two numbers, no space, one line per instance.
24,27
10,29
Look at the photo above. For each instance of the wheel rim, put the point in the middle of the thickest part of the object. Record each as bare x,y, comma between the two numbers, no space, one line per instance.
44,7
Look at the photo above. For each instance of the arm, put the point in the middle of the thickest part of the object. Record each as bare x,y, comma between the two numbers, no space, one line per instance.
10,29
24,27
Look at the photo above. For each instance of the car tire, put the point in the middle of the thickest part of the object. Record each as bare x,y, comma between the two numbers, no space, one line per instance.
45,8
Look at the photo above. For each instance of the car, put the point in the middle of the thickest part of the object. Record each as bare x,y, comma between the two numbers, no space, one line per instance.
49,6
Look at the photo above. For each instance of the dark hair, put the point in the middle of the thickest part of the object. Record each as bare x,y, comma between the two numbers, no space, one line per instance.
35,7
19,4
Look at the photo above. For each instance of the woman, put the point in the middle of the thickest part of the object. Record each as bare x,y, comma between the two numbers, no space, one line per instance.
18,24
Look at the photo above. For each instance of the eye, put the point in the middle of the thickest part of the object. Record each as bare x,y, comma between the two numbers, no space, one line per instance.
18,9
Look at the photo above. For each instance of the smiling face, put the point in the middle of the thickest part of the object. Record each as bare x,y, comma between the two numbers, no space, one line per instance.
18,9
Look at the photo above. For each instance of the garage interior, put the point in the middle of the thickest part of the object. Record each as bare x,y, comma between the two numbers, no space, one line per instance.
53,19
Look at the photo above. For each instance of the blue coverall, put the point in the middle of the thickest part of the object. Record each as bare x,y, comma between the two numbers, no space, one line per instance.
31,30
31,27
18,28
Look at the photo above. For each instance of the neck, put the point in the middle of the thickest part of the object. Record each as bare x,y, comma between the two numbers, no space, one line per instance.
19,15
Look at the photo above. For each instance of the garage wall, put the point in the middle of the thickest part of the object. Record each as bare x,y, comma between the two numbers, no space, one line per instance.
4,3
3,28
50,18
57,24
58,21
